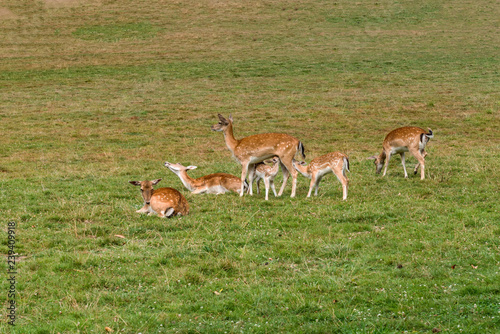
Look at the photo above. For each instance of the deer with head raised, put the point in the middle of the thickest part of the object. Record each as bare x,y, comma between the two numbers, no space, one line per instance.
261,171
406,139
335,162
256,148
218,183
166,202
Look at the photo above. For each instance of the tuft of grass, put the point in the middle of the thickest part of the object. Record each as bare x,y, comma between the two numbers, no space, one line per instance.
116,32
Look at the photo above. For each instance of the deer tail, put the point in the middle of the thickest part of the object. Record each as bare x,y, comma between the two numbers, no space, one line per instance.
301,149
346,164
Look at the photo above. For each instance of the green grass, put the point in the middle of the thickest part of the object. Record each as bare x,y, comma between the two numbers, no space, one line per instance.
94,94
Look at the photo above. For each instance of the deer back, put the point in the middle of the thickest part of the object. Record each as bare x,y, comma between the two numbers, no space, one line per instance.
407,136
266,145
164,198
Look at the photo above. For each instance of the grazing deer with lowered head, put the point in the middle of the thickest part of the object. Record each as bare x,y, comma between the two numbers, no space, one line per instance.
165,202
336,163
218,183
261,171
406,139
256,148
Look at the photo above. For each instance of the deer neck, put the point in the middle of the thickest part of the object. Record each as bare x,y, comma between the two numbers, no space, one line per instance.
187,180
231,142
382,157
304,170
274,169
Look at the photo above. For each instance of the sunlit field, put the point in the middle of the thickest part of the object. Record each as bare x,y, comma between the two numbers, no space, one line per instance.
98,93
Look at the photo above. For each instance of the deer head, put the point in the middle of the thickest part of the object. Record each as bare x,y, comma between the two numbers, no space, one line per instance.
223,123
146,188
378,160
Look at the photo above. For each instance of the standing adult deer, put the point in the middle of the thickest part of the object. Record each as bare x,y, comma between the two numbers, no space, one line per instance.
335,162
406,139
218,183
261,171
256,148
165,202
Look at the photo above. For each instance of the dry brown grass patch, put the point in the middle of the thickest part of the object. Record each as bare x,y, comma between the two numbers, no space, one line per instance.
6,14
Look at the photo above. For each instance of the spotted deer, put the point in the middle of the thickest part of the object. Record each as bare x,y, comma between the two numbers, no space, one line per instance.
166,202
261,171
406,139
218,183
256,148
335,162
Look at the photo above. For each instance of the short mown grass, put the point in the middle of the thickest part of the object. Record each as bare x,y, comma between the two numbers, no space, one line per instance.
94,94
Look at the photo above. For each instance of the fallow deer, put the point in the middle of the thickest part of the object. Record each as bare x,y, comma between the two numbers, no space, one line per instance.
335,162
406,139
256,148
165,202
218,183
261,171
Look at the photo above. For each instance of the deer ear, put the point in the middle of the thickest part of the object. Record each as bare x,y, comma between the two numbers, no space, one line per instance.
231,118
373,157
135,183
191,167
155,182
221,118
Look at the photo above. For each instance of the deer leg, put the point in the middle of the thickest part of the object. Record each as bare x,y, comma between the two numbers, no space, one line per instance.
258,184
318,180
422,167
424,154
199,191
403,163
345,183
294,181
266,182
286,174
244,171
421,162
415,171
386,163
251,175
312,184
144,209
344,192
289,166
273,188
339,172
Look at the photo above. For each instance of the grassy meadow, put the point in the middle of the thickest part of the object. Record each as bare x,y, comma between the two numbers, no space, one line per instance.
96,93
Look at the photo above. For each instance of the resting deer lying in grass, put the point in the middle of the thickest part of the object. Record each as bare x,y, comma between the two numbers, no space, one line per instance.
336,163
256,148
218,183
166,202
406,139
261,171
